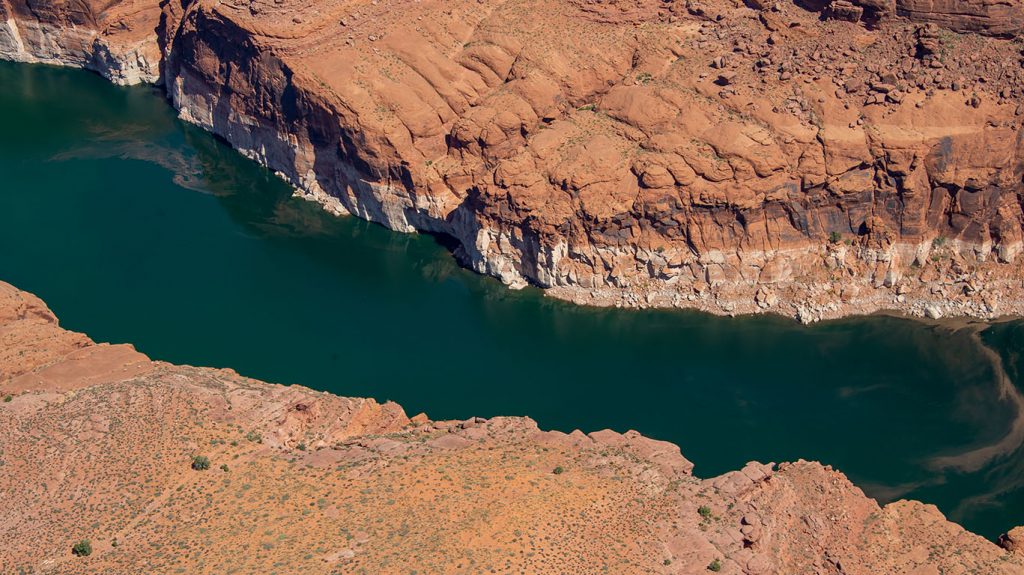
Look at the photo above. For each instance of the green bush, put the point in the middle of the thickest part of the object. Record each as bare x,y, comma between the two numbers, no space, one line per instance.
82,549
254,437
8,398
558,470
704,511
200,463
224,467
835,237
715,566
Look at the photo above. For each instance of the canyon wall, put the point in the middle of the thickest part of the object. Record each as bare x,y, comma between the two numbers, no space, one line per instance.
811,160
99,443
117,39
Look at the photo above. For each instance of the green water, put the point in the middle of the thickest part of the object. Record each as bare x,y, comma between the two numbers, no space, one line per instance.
137,228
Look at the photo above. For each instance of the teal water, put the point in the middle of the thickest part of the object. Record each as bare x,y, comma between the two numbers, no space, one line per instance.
135,227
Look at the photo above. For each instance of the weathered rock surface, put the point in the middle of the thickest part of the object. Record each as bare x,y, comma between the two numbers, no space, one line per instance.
117,39
96,443
1013,541
814,160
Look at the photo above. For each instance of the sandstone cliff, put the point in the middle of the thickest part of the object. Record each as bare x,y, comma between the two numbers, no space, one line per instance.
97,443
814,160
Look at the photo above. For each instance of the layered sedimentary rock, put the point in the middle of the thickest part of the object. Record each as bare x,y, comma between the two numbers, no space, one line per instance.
814,160
992,17
117,39
99,443
999,17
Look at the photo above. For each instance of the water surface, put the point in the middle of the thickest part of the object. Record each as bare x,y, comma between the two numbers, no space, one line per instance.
135,227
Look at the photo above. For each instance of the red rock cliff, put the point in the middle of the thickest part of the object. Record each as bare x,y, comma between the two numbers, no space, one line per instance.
814,160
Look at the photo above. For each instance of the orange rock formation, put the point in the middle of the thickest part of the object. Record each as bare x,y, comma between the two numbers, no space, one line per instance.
813,160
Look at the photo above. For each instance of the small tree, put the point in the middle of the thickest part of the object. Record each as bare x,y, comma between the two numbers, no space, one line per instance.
715,566
82,549
704,511
200,463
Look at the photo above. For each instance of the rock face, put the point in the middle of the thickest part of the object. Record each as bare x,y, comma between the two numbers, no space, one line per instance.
97,443
117,39
997,17
722,156
1013,541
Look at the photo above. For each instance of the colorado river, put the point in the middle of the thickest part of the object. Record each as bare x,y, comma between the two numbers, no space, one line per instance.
135,227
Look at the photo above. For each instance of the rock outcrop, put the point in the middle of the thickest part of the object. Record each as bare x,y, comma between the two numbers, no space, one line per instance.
98,443
995,17
117,39
1013,541
813,160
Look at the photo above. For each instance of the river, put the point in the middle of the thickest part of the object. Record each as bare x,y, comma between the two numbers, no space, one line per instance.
135,227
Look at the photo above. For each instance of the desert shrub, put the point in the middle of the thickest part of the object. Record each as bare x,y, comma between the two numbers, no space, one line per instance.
200,463
715,566
82,549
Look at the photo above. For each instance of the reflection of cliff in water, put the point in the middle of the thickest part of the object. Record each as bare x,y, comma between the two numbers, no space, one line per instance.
155,142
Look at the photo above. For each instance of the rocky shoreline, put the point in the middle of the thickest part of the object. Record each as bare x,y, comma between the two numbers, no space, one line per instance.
695,156
99,443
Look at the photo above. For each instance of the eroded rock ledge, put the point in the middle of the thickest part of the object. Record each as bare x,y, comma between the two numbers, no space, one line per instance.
97,441
815,160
